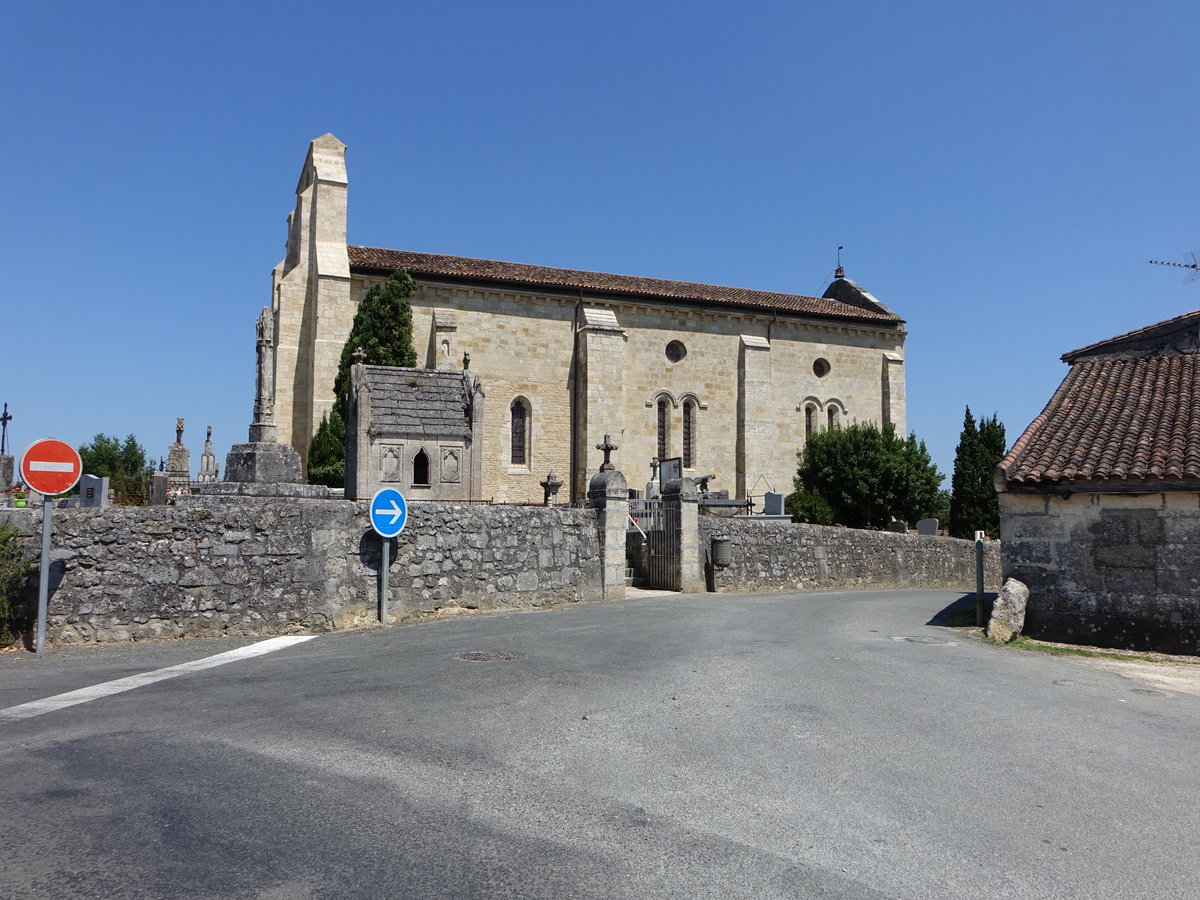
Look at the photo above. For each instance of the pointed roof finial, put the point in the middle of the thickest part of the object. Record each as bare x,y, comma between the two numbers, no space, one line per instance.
839,272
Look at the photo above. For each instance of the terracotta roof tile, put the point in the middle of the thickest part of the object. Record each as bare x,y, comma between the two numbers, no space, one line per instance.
1122,417
544,276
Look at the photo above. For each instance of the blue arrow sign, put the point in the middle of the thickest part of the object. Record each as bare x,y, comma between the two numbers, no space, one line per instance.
389,512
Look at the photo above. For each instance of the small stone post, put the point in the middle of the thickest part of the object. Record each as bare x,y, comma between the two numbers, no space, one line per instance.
608,494
681,504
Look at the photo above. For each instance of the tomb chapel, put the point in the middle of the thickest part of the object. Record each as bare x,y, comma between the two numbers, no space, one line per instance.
730,380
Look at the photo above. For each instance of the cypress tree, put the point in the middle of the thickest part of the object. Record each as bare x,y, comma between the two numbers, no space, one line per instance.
383,327
973,502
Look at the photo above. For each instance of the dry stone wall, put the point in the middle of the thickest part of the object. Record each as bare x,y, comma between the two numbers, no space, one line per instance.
784,556
216,566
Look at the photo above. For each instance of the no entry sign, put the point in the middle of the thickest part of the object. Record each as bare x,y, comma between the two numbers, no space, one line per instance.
51,467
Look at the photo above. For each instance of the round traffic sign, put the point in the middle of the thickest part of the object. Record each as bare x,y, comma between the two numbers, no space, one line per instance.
51,467
389,512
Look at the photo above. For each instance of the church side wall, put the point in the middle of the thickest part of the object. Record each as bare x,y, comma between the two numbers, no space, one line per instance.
211,566
523,345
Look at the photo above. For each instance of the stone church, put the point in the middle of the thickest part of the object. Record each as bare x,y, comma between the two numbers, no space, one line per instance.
729,380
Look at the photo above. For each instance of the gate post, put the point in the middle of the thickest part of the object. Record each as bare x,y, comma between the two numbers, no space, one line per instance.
681,521
608,494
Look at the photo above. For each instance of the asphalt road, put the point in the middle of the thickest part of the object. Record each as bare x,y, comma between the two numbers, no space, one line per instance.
799,745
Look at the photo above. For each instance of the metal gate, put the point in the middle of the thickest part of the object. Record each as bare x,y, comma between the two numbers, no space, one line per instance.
662,545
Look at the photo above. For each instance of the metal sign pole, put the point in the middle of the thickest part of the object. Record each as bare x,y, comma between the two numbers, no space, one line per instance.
385,548
44,581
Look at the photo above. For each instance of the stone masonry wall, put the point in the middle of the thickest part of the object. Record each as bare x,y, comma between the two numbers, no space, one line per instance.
213,566
782,556
1105,569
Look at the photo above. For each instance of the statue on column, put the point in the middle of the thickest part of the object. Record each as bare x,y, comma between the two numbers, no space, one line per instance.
263,428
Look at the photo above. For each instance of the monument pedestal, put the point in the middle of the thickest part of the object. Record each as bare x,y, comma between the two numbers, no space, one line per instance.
263,463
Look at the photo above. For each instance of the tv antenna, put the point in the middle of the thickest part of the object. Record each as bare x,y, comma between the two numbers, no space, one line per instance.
1193,263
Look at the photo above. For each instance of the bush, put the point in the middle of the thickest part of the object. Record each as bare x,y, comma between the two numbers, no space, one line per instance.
16,568
810,507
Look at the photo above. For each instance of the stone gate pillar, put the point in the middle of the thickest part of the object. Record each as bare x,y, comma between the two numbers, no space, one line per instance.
608,494
682,511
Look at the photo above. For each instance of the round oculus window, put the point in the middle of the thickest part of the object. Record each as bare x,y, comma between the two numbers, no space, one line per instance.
676,351
821,368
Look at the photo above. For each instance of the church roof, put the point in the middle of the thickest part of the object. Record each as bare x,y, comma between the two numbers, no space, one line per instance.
1128,411
426,402
438,265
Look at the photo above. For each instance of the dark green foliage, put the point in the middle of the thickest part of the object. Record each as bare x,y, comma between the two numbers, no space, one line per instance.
868,475
383,328
108,457
327,452
16,569
973,502
808,506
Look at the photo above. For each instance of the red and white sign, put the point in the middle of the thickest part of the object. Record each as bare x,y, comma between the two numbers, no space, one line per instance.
51,467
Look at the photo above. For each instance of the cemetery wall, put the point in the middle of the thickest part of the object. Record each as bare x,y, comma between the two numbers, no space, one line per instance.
212,566
785,556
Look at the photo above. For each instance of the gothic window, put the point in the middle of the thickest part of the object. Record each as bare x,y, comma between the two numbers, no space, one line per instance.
519,455
421,468
810,420
833,417
689,434
664,428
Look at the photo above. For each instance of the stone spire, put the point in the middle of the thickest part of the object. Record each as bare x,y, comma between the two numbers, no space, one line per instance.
208,462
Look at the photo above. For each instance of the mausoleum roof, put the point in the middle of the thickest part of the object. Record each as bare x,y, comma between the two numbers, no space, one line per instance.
438,265
1127,412
419,402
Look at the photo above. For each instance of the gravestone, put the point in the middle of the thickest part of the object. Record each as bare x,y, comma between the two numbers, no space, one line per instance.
158,489
179,465
927,526
773,503
208,462
93,491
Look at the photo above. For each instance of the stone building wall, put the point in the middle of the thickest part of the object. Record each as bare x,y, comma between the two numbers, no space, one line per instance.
1105,569
213,566
786,556
523,345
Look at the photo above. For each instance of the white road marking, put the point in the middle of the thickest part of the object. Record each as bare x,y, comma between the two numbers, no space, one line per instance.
96,691
41,465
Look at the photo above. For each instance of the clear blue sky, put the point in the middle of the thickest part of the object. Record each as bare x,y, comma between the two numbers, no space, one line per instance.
998,173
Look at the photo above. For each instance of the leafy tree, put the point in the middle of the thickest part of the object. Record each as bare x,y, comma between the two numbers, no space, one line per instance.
327,452
108,457
809,506
16,567
383,329
867,475
973,502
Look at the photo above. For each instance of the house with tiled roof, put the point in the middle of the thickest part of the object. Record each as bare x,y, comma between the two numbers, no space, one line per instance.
1100,496
728,380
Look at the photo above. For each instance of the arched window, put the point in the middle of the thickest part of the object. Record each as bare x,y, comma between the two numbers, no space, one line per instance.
421,468
810,420
689,434
519,455
833,417
664,427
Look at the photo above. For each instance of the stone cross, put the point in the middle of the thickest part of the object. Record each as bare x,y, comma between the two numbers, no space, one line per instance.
4,420
607,447
263,427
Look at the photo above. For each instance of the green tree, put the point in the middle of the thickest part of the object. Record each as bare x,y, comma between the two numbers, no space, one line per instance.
108,457
973,502
17,566
868,475
383,328
327,452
